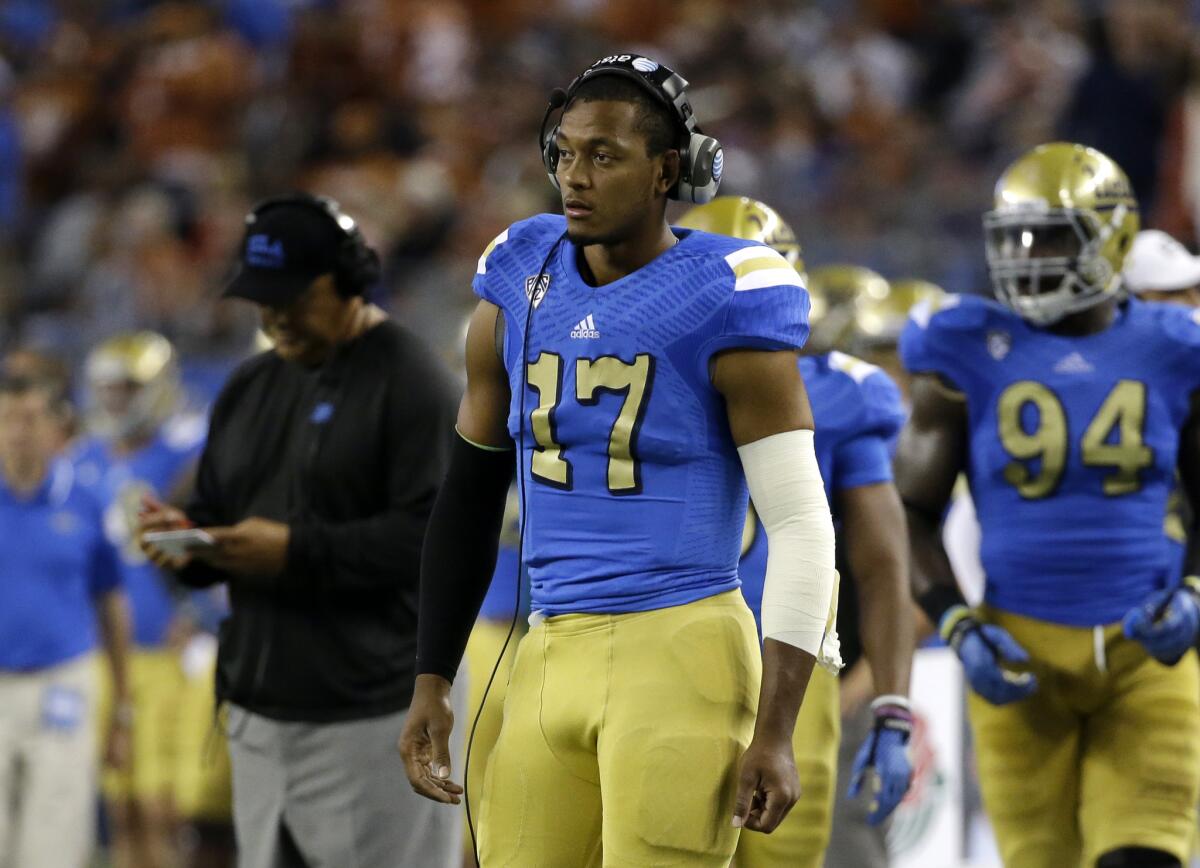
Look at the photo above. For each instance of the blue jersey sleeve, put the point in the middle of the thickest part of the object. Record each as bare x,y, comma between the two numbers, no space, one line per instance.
871,413
933,338
512,257
481,283
862,460
767,307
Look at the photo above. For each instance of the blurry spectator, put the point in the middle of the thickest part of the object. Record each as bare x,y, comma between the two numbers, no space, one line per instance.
1136,73
52,372
60,578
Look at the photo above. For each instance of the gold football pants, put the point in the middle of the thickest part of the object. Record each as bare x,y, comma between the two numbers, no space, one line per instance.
1105,754
800,840
621,739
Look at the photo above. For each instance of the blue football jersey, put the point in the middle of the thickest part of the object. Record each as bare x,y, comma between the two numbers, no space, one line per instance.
858,411
1072,448
118,482
634,493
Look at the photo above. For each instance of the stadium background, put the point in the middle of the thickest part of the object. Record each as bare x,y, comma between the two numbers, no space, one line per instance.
134,135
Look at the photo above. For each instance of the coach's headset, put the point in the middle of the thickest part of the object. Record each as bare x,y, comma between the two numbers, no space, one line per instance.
701,158
356,265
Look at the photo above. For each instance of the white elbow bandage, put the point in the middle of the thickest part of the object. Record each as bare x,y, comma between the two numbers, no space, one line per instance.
799,604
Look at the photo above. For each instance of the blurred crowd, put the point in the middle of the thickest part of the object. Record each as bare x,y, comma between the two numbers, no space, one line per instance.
134,134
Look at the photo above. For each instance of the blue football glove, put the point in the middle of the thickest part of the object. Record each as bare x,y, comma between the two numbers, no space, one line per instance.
884,755
1168,623
984,649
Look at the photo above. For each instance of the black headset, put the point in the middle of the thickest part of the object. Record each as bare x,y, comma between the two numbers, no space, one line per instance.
357,267
702,160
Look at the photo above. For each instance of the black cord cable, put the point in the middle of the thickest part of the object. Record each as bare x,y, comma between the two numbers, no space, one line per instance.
524,505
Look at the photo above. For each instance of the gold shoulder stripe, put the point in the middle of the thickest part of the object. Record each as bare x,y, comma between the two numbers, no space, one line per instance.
481,268
758,264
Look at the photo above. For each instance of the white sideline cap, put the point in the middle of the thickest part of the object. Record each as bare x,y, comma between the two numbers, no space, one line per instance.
1158,263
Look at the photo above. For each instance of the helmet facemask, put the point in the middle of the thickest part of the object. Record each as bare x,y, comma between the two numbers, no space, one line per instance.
1048,264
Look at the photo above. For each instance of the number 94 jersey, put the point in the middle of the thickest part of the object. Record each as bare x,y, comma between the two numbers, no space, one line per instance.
634,495
1072,448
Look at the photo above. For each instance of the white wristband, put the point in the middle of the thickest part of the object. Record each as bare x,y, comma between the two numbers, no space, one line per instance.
893,699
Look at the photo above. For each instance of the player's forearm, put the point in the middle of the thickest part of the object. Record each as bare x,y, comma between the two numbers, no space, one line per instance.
877,551
934,586
886,623
459,555
113,611
785,675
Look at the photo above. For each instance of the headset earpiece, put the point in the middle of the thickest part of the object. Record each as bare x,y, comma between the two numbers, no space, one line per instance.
700,170
358,266
550,156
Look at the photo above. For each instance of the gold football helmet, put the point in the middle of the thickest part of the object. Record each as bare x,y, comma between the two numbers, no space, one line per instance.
748,219
1064,219
133,384
834,290
881,311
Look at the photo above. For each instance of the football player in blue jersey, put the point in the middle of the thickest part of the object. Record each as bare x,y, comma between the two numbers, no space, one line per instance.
858,413
139,445
1068,406
646,376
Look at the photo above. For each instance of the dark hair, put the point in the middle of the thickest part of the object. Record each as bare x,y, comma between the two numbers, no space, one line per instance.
17,386
654,120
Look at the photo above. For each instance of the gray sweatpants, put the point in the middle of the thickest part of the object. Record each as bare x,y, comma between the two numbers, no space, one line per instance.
854,843
332,796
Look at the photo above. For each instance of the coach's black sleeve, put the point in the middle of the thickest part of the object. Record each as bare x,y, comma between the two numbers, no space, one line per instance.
459,555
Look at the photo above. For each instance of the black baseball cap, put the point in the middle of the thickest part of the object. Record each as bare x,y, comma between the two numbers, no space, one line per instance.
288,244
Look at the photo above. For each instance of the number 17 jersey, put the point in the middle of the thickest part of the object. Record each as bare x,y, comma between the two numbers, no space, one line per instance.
633,495
1072,447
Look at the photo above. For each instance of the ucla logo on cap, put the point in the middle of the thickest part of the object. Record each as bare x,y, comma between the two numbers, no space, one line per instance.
644,64
718,164
262,252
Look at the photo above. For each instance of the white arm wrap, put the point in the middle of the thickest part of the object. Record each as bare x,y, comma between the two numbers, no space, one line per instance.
799,604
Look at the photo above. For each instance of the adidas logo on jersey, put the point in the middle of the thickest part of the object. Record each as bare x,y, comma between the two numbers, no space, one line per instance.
1073,363
585,328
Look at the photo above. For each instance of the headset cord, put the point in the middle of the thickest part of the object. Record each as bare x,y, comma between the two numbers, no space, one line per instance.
521,512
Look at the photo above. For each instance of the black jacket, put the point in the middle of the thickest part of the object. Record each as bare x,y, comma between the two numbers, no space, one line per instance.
350,456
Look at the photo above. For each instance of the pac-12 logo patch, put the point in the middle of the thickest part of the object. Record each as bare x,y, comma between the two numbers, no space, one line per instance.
539,292
999,344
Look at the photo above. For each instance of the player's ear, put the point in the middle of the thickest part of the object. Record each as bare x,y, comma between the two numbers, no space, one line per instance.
668,172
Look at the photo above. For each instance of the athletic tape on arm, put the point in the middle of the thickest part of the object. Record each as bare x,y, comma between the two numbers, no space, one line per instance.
799,603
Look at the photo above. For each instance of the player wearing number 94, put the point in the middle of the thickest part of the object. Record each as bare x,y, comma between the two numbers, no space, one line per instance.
1068,405
646,375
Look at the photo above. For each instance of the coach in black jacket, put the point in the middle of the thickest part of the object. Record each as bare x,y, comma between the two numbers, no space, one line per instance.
322,463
